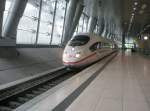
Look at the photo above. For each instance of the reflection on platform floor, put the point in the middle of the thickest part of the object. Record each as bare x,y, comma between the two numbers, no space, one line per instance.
124,85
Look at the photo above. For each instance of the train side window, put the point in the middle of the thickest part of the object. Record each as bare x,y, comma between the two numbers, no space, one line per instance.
95,46
99,45
106,45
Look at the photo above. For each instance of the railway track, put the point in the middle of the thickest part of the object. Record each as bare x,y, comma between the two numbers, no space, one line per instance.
14,96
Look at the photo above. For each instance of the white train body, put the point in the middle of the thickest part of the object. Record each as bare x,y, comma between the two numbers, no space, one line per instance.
84,49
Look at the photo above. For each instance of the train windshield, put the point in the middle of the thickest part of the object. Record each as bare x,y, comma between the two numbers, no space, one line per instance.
79,40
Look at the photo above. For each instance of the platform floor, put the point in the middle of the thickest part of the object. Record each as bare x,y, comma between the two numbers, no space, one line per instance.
31,61
124,85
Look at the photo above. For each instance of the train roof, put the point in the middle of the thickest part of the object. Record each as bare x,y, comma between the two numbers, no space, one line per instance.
97,36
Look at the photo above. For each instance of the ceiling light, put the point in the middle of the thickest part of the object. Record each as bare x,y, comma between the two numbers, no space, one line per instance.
133,14
134,8
141,12
144,6
132,18
135,3
145,37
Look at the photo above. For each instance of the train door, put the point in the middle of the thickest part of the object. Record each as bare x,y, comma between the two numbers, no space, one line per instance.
95,48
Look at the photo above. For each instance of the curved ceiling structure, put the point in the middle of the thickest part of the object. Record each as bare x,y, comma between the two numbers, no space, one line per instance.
120,16
113,19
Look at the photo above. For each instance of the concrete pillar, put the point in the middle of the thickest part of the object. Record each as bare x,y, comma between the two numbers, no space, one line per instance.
113,37
100,26
93,16
2,8
107,35
69,19
78,14
105,29
110,36
92,24
123,41
17,9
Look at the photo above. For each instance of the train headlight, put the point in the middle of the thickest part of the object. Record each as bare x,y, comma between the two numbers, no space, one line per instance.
77,55
72,49
64,55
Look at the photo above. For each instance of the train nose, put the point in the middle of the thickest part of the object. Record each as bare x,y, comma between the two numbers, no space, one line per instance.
72,55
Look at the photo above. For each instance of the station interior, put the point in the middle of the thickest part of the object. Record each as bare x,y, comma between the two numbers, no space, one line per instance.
34,35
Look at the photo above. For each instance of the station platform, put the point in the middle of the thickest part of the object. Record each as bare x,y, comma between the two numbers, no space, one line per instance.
30,62
121,85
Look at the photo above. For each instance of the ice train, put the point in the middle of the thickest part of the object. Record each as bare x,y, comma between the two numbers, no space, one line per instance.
85,48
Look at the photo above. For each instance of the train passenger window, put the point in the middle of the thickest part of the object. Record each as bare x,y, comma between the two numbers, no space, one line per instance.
79,40
95,46
99,45
106,45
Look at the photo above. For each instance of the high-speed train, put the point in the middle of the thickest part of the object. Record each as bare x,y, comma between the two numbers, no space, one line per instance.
85,48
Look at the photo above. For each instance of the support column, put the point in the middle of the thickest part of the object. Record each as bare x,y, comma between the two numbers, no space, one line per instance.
101,26
123,41
39,20
113,37
105,28
78,14
106,31
64,23
17,9
54,16
107,35
2,8
110,36
92,24
69,19
93,16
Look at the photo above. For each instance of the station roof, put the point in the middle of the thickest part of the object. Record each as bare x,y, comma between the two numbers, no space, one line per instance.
129,16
